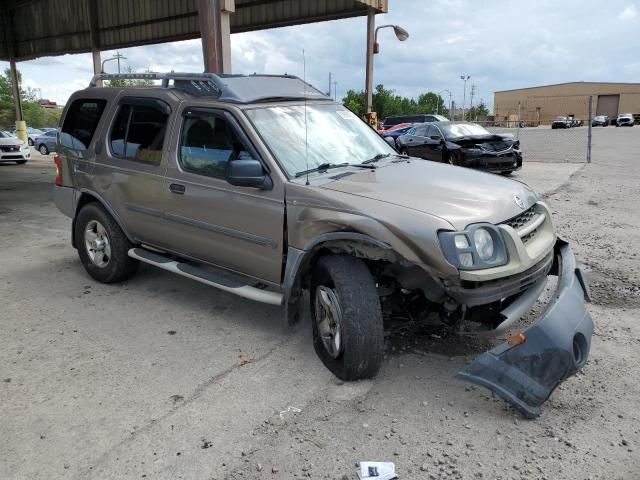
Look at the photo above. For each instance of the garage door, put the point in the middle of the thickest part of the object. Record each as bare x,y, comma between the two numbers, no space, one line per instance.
608,105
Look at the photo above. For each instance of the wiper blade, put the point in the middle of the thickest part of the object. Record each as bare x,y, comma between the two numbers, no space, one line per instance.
377,158
323,167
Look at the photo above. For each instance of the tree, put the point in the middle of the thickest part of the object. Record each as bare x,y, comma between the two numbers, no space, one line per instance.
129,82
478,112
385,102
34,113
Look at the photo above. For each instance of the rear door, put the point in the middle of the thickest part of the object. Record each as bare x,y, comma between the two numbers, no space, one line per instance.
238,228
130,166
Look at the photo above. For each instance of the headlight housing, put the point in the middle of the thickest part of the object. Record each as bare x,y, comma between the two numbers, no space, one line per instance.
479,246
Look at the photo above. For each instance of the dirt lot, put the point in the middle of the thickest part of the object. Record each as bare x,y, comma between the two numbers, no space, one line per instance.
144,379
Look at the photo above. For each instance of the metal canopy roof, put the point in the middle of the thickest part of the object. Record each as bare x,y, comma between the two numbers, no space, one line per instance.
37,28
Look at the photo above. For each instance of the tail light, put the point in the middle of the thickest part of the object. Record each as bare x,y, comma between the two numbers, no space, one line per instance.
58,163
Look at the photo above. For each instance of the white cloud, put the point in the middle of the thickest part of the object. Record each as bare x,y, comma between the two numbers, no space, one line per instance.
628,13
502,44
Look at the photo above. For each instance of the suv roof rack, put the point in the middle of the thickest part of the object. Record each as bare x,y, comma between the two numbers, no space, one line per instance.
227,87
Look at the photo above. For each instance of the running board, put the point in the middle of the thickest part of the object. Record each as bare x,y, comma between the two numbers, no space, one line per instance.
206,277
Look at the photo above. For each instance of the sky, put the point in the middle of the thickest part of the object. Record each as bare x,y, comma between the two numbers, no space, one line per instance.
500,44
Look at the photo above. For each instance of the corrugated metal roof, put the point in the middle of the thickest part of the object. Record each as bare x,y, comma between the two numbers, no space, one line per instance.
38,28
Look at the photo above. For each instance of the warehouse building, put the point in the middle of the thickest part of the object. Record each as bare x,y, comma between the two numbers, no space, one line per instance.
541,105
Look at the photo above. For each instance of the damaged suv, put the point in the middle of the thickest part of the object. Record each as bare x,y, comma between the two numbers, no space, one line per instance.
265,188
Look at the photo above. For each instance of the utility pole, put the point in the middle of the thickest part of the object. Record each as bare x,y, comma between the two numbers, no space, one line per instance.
329,84
473,92
335,91
464,78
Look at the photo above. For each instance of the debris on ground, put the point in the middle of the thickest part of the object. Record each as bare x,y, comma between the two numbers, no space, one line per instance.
377,470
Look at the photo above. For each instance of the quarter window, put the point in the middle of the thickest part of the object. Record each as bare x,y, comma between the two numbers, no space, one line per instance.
80,123
138,133
208,143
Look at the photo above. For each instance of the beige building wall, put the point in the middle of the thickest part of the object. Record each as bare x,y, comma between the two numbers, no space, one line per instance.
543,104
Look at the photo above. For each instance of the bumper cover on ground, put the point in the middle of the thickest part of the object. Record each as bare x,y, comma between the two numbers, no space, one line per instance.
554,348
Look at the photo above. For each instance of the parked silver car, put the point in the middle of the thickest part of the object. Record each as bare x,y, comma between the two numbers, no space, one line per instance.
265,188
46,142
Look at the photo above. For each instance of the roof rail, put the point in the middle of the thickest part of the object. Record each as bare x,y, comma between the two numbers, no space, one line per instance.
226,87
198,84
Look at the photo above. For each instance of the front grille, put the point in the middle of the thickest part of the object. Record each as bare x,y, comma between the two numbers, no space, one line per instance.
10,148
521,220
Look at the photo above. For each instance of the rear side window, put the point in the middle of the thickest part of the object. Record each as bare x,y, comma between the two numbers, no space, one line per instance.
81,122
138,133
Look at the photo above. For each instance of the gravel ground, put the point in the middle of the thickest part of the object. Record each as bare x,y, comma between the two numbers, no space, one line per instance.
148,379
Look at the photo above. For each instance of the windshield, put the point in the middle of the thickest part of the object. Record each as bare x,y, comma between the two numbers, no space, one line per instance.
462,130
334,135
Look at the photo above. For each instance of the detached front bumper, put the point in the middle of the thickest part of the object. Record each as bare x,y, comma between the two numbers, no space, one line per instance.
528,368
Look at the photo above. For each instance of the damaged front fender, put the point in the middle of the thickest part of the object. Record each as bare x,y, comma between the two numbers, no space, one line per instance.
527,369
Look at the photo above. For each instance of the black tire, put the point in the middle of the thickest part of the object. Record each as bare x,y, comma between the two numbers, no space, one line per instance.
43,149
451,158
119,266
30,142
21,162
362,331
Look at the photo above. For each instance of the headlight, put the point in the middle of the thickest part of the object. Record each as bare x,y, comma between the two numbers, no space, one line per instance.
484,243
479,246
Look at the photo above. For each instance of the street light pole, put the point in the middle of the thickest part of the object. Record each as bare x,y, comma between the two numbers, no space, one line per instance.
372,49
438,104
464,93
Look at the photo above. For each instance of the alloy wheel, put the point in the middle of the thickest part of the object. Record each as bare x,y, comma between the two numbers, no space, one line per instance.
97,243
328,317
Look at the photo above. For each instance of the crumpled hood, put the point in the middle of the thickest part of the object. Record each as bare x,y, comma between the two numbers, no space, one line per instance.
459,195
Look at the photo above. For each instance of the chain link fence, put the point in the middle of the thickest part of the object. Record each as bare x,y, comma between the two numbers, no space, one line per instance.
564,138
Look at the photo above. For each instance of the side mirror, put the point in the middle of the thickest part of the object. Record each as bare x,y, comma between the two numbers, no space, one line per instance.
435,137
248,173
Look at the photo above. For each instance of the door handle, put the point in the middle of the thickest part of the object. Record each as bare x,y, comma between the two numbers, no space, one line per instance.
177,188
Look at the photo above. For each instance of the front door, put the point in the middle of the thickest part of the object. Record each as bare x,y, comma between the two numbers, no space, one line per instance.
433,145
238,228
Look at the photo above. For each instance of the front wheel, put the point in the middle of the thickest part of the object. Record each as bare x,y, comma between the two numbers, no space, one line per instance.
21,162
348,333
30,142
43,149
102,245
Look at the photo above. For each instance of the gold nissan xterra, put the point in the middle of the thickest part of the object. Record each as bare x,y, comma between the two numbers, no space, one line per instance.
264,187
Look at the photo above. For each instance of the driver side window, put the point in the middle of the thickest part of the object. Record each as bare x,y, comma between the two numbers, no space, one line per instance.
207,144
420,131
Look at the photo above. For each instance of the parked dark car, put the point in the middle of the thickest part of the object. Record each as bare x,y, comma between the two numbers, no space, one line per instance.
625,120
421,118
46,142
561,122
463,143
600,121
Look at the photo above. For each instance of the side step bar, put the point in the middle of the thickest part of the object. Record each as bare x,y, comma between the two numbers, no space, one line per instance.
206,277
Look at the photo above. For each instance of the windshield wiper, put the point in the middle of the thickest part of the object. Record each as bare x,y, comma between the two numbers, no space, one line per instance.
323,167
375,159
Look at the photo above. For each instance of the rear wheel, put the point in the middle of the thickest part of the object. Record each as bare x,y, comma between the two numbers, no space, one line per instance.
43,149
102,245
346,316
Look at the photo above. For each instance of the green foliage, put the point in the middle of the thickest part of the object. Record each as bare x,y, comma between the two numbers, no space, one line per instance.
479,112
129,82
386,103
35,114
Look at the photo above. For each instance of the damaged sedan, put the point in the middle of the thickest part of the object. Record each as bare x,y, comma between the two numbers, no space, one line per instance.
464,144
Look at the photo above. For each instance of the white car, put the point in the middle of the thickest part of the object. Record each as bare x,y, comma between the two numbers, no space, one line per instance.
12,149
625,120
